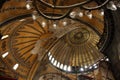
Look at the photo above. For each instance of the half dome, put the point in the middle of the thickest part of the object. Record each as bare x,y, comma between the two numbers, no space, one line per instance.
76,50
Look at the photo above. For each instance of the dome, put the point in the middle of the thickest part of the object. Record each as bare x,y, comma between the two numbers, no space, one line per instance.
76,50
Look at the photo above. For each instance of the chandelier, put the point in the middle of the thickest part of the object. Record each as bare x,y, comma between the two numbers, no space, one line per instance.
65,9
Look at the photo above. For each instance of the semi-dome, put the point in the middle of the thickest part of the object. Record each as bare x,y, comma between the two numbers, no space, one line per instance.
77,50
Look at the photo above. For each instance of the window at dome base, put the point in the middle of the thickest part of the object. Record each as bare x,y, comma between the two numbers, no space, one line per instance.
5,54
4,37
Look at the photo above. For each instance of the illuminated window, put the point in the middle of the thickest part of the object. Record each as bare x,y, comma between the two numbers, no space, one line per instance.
58,64
55,63
49,54
22,20
52,60
69,68
61,66
50,57
15,66
5,36
5,54
65,67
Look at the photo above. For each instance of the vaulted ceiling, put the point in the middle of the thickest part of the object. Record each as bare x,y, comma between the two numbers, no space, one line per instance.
32,44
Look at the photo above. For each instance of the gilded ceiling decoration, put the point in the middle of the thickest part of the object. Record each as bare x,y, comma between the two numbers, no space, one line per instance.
30,41
78,36
62,38
77,49
23,39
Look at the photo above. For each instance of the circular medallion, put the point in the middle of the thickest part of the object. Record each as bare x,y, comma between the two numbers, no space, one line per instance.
78,36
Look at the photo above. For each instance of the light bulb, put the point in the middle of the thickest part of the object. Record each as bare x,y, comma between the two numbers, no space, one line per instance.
90,67
95,66
54,25
35,15
43,24
107,59
80,14
102,12
64,23
29,5
73,14
88,14
81,69
86,66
